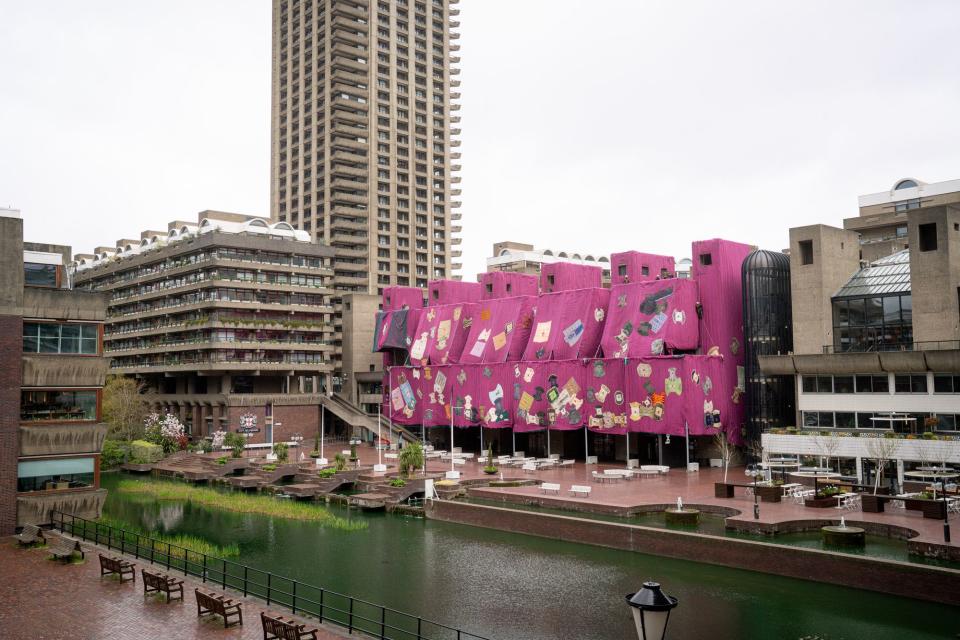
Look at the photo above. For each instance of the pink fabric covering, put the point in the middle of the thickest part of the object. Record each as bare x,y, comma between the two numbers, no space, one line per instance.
495,394
464,394
567,325
655,390
436,386
605,396
704,387
496,326
441,292
650,318
506,284
716,268
564,276
399,297
634,266
395,330
441,333
565,394
529,393
404,401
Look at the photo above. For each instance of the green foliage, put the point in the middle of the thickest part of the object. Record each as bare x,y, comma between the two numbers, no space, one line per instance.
353,453
239,502
114,454
828,491
143,452
124,408
281,450
160,541
269,467
339,462
236,442
327,473
928,435
490,468
222,460
411,458
398,482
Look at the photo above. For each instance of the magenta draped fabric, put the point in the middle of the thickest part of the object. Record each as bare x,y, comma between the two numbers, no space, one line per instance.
495,394
565,394
441,292
441,333
605,395
655,390
402,297
651,318
564,276
635,266
508,284
494,328
567,325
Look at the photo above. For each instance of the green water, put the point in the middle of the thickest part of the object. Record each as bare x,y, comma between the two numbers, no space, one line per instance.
509,586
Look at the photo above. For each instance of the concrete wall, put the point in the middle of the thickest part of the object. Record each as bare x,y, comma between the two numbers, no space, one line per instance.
64,304
935,275
836,257
359,320
11,347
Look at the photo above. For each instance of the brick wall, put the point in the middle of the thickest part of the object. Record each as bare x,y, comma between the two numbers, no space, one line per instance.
303,419
11,348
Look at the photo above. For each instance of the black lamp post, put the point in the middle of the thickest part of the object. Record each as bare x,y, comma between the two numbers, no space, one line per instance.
651,611
756,500
946,510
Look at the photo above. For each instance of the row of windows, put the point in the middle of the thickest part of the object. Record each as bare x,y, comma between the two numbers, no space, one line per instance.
41,275
59,405
902,383
64,338
911,423
55,474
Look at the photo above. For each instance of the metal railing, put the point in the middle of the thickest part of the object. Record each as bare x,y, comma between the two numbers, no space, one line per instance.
924,345
300,598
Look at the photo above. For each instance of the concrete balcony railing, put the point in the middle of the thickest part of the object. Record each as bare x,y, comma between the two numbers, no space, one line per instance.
61,439
927,345
63,371
35,508
845,444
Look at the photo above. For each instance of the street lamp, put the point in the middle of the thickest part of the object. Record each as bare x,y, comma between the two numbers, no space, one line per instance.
651,611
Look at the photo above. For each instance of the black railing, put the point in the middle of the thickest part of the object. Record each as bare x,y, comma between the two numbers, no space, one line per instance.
300,598
926,345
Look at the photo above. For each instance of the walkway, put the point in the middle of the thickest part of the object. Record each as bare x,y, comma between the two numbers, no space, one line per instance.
46,600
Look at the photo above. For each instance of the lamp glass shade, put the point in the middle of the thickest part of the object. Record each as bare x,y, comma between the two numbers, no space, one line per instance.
651,611
651,625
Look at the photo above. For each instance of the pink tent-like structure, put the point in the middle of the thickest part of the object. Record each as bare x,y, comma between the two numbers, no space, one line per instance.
441,333
443,292
499,330
508,284
651,318
402,298
635,266
567,325
564,276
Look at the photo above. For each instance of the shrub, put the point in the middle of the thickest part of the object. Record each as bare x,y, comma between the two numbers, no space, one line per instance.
205,446
353,453
281,450
398,482
143,452
339,462
114,454
269,467
327,473
928,435
236,442
411,458
166,431
221,461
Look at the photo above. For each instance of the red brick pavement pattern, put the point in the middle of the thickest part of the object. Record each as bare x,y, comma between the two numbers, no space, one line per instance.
42,599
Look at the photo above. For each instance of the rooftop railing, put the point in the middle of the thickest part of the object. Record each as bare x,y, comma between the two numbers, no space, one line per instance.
324,605
926,345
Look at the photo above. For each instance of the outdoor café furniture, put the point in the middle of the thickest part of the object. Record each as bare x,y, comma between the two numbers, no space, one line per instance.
790,488
63,547
766,492
605,477
208,603
846,500
580,490
529,466
156,582
567,462
279,628
118,566
550,486
626,474
656,468
554,456
31,533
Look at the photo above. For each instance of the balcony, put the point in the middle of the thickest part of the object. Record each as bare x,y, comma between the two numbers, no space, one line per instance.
349,170
349,51
349,37
928,345
63,371
350,10
35,508
347,75
341,224
346,156
350,106
350,23
61,439
343,62
344,280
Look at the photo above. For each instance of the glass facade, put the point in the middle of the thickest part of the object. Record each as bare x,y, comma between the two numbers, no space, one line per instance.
44,405
874,323
67,338
55,474
40,275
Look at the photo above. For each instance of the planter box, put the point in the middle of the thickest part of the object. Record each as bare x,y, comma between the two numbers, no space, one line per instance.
722,490
770,494
821,503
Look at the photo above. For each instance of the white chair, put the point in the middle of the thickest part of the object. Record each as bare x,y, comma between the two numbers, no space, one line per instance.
529,466
580,490
550,486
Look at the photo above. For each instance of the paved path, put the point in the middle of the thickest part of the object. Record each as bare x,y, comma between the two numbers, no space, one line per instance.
41,599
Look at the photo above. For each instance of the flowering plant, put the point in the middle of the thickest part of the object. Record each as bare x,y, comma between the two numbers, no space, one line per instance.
166,431
218,438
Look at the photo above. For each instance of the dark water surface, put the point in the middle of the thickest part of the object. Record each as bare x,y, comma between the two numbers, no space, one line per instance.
508,586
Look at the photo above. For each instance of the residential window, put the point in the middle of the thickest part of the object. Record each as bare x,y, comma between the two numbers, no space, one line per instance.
40,275
60,405
56,474
873,384
910,384
817,384
66,338
843,384
946,383
928,236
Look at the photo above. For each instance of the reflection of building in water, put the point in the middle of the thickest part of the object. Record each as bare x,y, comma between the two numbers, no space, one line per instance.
171,515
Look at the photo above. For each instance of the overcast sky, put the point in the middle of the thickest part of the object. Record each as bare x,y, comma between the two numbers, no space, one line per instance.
587,126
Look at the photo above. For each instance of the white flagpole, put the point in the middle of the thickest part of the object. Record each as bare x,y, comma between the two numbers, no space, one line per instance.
452,412
379,452
323,432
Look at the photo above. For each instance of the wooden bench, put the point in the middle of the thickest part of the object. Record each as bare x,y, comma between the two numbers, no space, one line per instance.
278,628
550,486
218,605
161,583
580,490
30,534
63,547
118,566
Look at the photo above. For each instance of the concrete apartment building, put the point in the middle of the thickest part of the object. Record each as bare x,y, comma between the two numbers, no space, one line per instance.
364,130
227,320
877,341
520,257
51,377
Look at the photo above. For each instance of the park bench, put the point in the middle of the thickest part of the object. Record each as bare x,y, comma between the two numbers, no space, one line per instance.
31,533
161,583
63,547
550,486
580,490
218,605
118,566
278,628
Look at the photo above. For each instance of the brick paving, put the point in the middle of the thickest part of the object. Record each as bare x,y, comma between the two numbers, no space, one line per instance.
41,599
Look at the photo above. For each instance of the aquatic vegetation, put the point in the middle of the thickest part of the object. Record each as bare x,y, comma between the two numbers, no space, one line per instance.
239,502
160,541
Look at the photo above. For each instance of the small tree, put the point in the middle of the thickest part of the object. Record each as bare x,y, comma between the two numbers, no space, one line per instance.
827,445
725,450
339,462
166,431
881,450
281,450
124,409
411,458
236,442
490,468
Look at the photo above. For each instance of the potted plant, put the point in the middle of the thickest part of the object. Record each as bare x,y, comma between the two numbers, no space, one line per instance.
411,459
339,462
447,489
490,468
353,452
281,450
327,473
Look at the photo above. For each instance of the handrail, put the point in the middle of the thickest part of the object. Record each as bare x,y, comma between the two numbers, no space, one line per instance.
304,599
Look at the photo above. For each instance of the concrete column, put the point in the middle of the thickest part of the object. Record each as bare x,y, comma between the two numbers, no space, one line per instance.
225,383
859,469
900,472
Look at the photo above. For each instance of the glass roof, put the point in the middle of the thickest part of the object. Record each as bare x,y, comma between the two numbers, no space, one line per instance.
886,276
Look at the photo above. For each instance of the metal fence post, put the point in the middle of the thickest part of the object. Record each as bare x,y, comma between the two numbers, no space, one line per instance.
204,579
383,621
223,575
350,622
321,605
419,623
269,576
293,605
168,556
245,580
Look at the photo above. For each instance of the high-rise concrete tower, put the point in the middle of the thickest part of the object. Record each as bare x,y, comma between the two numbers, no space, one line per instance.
364,128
